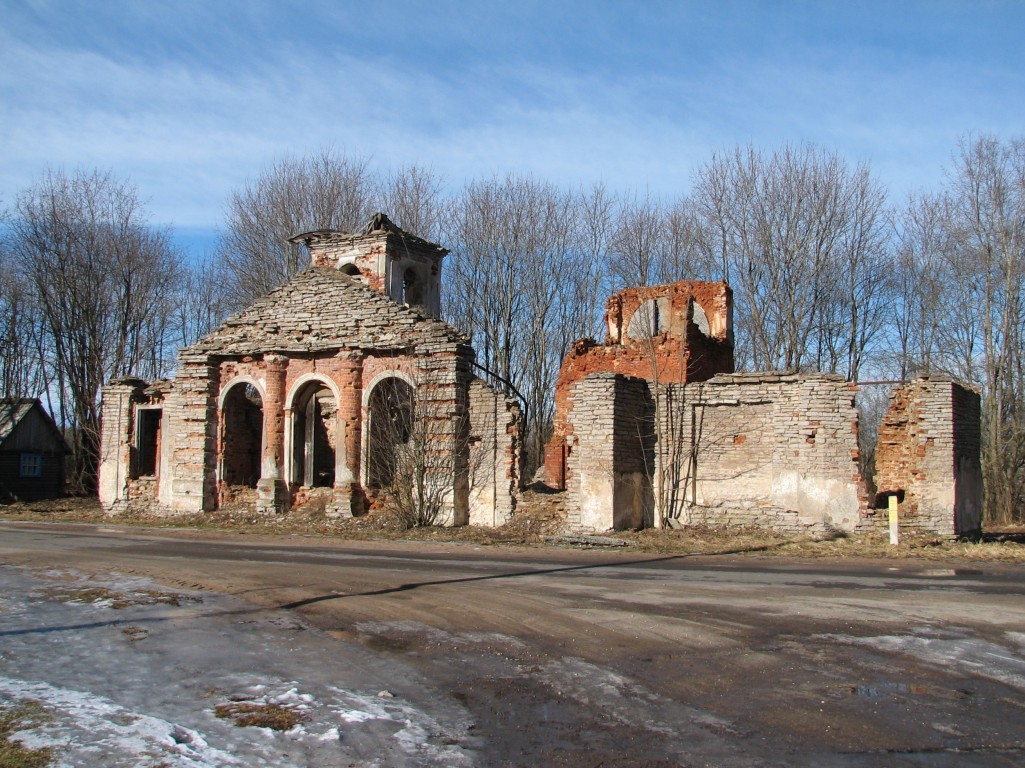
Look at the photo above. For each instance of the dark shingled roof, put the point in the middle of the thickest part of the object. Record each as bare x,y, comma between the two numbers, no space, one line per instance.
14,409
321,309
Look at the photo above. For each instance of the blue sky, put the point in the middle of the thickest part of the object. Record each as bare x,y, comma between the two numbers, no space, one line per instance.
190,99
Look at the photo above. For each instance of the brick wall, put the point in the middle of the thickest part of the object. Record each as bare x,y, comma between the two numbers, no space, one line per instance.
928,455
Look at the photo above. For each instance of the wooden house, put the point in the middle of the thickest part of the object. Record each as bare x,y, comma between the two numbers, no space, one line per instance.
32,451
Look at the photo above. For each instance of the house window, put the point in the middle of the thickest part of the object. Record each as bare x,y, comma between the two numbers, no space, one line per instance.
31,465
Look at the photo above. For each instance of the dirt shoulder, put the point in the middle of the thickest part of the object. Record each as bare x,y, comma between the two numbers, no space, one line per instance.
1003,545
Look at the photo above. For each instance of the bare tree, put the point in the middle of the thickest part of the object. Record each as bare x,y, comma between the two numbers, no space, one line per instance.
413,199
329,190
202,304
988,205
21,372
800,236
638,244
104,281
685,256
595,214
922,267
513,271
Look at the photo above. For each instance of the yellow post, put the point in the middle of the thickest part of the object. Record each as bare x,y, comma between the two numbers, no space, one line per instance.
894,531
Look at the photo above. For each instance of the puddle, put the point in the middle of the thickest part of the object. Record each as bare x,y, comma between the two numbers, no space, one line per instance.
879,690
891,688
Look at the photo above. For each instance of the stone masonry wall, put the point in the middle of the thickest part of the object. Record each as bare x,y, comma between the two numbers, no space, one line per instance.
119,484
589,454
117,428
610,456
928,455
191,410
493,461
772,450
968,485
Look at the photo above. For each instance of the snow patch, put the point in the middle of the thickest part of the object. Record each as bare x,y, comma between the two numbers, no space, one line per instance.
951,650
122,734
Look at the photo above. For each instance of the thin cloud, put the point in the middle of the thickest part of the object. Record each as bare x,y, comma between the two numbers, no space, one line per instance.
191,99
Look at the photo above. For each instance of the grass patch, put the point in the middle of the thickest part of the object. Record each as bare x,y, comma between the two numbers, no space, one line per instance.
22,716
243,714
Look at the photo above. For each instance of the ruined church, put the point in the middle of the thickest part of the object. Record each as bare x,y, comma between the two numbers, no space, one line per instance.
311,392
314,392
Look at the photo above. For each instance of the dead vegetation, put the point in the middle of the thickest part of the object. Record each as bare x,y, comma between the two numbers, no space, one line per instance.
115,600
260,714
17,717
537,519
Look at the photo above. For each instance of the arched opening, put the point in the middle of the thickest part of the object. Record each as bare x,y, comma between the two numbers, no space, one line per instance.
349,269
412,288
241,435
314,437
650,319
389,430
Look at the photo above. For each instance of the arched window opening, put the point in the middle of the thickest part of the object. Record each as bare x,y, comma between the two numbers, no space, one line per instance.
412,288
650,319
241,436
350,269
390,430
314,415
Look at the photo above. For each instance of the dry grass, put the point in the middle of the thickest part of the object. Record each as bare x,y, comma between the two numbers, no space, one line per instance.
22,716
115,600
1001,545
257,714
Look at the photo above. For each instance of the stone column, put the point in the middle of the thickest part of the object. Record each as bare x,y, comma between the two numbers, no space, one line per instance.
273,495
193,425
347,499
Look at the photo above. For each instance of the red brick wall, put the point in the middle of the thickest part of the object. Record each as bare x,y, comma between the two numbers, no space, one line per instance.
928,454
679,353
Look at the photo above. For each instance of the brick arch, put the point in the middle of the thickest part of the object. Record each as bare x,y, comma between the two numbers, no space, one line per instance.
390,373
241,379
305,379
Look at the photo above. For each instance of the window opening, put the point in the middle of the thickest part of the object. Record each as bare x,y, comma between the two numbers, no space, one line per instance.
412,288
147,437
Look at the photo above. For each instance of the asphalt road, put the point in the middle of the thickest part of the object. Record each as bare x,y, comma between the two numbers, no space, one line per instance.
565,658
